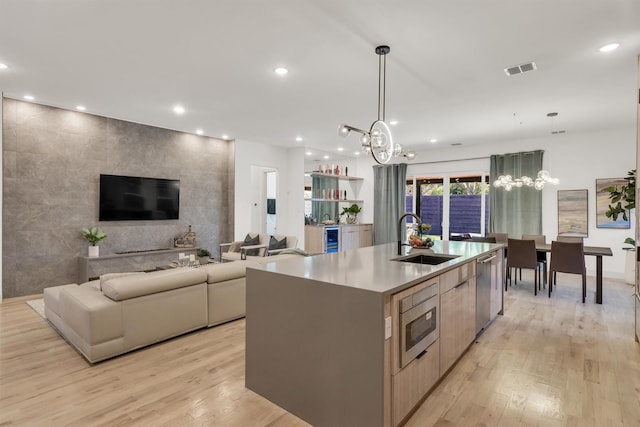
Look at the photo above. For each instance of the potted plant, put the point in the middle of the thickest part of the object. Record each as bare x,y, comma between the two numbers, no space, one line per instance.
203,256
94,235
352,213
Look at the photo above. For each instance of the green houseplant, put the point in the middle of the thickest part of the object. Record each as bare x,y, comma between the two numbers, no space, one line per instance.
203,256
93,235
352,213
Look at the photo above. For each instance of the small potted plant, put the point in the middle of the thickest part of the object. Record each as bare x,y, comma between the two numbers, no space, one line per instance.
203,256
352,213
94,235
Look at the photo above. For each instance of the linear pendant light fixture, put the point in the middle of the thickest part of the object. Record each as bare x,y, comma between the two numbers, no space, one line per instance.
378,139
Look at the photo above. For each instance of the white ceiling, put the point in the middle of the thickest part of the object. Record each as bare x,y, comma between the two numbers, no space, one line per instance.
136,59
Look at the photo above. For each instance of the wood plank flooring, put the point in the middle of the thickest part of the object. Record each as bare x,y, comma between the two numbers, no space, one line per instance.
547,362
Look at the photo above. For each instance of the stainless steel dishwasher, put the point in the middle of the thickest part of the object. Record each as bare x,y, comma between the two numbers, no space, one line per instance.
483,292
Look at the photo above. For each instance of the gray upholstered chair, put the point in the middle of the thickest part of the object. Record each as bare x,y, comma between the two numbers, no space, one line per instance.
567,257
542,256
522,254
275,244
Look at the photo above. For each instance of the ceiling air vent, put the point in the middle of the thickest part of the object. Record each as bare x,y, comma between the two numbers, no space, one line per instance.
522,68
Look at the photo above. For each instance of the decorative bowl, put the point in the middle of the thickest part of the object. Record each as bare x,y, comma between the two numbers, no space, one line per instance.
423,242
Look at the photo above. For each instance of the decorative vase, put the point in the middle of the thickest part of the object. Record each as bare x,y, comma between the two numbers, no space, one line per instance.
352,219
203,260
94,251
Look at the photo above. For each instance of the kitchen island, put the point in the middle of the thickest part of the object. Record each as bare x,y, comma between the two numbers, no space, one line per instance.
323,334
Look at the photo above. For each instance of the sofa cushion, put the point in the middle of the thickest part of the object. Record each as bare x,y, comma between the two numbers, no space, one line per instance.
226,271
251,241
131,286
108,276
277,244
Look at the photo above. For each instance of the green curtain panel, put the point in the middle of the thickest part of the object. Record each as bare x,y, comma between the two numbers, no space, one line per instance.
388,201
520,210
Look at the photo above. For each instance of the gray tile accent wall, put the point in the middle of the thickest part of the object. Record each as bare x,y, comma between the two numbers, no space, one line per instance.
52,161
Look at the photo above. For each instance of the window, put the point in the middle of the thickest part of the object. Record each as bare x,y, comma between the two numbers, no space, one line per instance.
453,206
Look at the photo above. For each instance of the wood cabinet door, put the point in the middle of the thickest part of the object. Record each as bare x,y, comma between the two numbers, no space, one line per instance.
414,381
366,236
467,300
314,239
449,328
349,237
457,321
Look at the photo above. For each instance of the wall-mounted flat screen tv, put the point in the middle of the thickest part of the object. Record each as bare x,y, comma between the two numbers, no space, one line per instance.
124,198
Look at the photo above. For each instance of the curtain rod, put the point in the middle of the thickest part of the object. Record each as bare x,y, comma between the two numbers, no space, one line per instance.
447,161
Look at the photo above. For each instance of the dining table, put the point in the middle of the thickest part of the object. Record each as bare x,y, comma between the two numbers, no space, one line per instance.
598,252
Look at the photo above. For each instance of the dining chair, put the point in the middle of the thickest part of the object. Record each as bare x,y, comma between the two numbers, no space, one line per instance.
500,237
567,257
542,255
522,254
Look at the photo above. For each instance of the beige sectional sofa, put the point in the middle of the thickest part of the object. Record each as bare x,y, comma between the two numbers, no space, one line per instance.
119,313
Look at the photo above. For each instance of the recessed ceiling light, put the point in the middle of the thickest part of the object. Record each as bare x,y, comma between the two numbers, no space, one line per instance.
609,47
298,138
199,131
340,149
178,109
28,97
3,66
80,108
433,140
225,136
393,122
281,71
357,153
326,157
308,153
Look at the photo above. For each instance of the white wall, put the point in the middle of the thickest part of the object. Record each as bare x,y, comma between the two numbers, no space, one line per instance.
250,160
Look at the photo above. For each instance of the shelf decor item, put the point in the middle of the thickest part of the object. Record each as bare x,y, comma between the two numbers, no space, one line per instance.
203,256
93,235
352,213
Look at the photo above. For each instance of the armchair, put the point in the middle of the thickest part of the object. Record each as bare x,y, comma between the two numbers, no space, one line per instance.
276,244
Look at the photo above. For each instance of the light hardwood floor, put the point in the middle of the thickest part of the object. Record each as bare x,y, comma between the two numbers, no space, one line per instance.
547,362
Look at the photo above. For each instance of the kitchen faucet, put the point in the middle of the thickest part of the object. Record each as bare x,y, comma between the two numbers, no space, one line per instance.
400,244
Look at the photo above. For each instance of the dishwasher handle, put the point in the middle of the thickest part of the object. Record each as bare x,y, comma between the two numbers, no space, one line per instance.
487,259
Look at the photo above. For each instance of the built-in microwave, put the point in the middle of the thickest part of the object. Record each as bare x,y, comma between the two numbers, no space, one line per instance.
418,323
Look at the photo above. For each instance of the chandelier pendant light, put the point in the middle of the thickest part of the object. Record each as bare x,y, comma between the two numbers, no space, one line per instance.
508,182
378,140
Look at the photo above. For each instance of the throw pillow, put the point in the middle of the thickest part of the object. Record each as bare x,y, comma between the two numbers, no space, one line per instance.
108,276
251,241
277,244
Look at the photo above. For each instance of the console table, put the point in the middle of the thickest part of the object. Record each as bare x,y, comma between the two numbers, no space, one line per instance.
92,267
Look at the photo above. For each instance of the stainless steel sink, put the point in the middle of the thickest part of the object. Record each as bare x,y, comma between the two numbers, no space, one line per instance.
431,259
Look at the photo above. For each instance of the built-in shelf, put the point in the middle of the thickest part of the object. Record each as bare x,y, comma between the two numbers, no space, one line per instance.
328,175
334,200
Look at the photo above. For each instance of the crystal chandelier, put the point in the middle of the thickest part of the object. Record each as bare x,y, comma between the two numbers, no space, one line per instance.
378,140
508,182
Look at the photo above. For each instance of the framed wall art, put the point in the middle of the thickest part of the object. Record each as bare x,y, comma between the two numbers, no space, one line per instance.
603,201
573,213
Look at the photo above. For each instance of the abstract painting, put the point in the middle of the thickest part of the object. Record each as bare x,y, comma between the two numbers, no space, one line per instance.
573,216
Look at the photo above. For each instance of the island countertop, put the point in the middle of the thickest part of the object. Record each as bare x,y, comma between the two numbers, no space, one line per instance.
373,268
